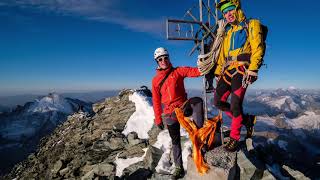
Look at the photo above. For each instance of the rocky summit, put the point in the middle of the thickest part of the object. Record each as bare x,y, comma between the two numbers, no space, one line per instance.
86,147
94,146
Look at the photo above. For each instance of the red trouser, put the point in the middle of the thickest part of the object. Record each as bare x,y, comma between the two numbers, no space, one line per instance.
233,110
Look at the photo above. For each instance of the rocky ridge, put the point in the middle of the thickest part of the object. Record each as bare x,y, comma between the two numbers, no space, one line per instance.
93,147
86,147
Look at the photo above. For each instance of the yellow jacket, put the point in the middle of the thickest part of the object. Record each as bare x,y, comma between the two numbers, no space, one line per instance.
240,39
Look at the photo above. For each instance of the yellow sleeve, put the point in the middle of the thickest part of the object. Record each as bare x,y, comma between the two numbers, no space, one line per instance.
220,61
257,44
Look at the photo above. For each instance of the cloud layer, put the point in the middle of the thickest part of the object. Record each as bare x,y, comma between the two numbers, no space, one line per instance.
98,10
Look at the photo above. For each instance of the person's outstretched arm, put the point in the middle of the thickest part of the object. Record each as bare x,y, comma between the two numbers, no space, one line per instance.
188,71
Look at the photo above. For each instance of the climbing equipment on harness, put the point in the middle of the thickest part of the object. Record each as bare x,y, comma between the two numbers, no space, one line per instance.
249,78
239,68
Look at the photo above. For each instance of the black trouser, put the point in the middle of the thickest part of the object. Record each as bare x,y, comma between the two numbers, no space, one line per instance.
173,125
231,85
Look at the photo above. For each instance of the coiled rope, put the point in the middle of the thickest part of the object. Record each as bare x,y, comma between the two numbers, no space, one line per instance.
207,61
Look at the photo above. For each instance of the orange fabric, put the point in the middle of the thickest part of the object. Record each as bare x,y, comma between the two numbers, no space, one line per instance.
199,137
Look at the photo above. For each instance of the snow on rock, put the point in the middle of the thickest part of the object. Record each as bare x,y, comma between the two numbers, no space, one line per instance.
141,121
124,163
278,103
264,123
164,143
52,102
309,121
186,151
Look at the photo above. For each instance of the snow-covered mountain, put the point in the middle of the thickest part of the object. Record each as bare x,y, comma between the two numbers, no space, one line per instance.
22,128
11,101
291,102
113,142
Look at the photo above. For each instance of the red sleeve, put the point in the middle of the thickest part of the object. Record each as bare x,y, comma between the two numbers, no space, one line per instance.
188,71
156,101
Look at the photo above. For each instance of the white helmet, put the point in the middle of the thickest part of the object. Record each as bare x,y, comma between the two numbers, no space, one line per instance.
160,52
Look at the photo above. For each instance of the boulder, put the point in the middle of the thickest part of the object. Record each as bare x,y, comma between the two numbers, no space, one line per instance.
133,139
252,168
295,174
152,158
133,151
56,167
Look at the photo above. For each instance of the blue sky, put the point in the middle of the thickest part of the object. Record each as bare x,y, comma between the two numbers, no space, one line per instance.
67,45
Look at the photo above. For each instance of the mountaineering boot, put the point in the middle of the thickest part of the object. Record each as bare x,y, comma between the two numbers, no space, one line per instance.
232,145
249,122
178,173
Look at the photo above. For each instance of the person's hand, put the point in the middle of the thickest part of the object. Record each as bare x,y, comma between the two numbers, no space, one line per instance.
160,126
249,78
252,76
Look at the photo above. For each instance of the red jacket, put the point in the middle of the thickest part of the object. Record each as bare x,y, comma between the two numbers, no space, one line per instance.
173,93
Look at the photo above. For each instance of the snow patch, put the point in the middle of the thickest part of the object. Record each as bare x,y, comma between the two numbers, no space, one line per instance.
309,121
165,144
141,121
121,164
187,150
292,88
52,102
278,103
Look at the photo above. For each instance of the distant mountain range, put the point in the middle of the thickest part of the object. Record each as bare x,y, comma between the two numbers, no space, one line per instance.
295,112
22,128
10,102
113,141
289,102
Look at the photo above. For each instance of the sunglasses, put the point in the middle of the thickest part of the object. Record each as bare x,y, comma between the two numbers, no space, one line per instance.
160,59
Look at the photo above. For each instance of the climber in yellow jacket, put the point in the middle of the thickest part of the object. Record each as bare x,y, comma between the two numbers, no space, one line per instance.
240,58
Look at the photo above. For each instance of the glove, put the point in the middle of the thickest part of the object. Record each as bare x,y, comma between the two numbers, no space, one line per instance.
160,126
249,78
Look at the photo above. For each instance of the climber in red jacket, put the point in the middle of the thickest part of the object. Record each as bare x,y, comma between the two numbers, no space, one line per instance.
168,89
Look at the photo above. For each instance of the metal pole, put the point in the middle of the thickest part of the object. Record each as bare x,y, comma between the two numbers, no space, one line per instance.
220,112
204,79
216,11
209,18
